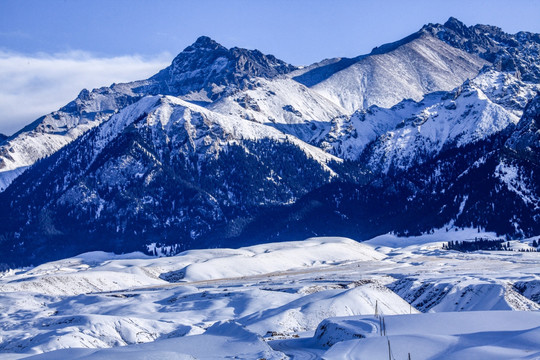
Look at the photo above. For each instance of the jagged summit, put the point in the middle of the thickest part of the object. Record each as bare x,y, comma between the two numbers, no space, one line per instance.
211,70
202,73
516,53
204,43
455,24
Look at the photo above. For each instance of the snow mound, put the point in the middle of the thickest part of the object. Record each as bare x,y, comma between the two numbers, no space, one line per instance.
275,258
222,340
99,271
307,312
86,331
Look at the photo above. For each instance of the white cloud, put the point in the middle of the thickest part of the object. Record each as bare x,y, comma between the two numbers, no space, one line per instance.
32,86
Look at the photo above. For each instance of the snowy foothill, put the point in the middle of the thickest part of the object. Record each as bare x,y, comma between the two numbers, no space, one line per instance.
321,297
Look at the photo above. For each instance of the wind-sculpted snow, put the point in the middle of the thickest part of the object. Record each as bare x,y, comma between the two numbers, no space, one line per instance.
305,313
289,255
479,335
102,305
409,71
222,340
99,271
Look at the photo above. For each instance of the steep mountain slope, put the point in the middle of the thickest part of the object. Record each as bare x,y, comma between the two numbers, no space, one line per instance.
161,170
420,63
412,132
439,121
207,71
203,72
525,141
410,68
491,184
284,104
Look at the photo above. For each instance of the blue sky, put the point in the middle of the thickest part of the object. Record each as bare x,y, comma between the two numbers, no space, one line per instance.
65,45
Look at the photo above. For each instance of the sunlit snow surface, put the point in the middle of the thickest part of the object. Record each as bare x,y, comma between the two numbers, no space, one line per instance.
280,300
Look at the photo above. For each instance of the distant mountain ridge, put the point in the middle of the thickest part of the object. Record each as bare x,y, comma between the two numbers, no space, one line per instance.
229,147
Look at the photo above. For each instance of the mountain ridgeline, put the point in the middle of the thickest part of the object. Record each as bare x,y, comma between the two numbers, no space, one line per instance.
232,147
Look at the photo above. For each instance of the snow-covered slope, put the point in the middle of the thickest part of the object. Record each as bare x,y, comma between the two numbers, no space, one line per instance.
506,89
51,133
412,132
221,341
82,301
264,259
440,121
307,312
410,68
99,271
284,104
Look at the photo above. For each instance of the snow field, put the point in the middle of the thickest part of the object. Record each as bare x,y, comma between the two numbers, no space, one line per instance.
101,305
463,335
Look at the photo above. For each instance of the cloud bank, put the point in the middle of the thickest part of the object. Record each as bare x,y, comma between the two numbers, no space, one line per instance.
32,86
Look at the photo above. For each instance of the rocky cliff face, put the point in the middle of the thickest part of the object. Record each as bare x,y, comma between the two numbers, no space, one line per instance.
516,53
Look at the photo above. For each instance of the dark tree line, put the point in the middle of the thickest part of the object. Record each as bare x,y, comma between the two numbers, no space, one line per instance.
477,244
485,244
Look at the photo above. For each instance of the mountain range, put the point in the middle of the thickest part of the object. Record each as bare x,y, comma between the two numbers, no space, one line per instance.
232,147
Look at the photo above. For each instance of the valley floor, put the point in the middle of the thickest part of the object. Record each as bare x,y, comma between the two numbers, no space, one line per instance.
331,298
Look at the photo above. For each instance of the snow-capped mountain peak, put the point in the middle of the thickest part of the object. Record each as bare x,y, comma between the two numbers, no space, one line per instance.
204,72
212,71
204,43
414,131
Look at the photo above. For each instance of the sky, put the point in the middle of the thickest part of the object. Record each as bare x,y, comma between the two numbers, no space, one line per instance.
52,49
